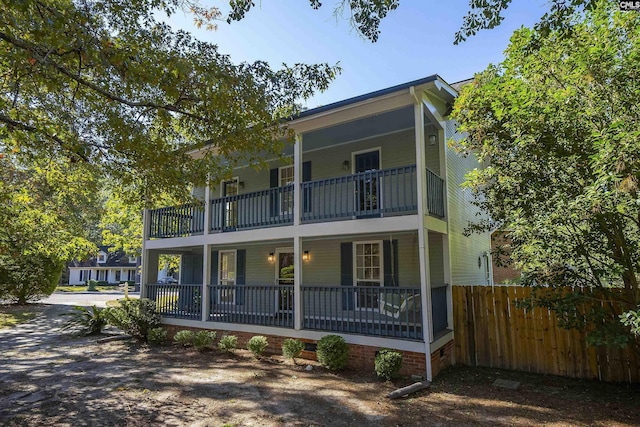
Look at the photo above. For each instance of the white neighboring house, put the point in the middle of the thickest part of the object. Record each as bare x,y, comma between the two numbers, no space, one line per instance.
111,267
360,232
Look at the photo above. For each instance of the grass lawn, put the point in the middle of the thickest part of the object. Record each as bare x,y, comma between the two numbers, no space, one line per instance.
83,288
12,315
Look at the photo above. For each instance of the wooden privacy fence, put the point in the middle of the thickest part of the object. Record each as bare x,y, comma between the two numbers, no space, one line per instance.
490,331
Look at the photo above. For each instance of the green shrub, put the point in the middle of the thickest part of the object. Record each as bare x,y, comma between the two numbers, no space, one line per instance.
257,345
157,336
92,285
135,317
203,340
228,343
103,283
184,338
332,352
292,348
388,363
90,321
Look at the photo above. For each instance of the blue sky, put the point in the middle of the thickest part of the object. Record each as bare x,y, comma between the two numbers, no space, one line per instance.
416,41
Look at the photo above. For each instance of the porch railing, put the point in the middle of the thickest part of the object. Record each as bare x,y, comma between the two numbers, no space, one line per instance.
177,221
263,208
174,300
439,314
365,194
435,194
265,305
378,311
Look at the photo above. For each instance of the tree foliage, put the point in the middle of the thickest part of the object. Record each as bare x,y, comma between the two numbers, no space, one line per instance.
41,227
105,83
558,127
366,15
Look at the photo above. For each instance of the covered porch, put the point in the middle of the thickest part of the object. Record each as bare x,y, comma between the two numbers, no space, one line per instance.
362,285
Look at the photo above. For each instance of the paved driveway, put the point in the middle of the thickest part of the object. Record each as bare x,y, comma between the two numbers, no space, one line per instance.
85,298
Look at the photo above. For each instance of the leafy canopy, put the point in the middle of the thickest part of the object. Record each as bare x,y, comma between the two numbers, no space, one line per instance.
105,83
558,127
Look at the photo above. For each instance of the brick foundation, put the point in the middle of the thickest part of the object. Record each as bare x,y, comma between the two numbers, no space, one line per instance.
361,357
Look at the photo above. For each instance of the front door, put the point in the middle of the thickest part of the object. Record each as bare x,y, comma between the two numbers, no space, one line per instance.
230,188
284,279
367,193
227,277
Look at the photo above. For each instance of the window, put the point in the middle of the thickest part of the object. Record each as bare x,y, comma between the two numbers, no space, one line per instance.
102,257
101,274
132,260
368,272
227,276
230,188
285,179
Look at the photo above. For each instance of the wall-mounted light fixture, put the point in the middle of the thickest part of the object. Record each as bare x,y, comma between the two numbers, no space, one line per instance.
306,256
432,139
271,258
345,165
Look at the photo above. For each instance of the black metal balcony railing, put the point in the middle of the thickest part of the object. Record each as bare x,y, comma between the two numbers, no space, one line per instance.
263,208
265,305
374,311
362,195
435,194
365,194
378,311
177,221
179,301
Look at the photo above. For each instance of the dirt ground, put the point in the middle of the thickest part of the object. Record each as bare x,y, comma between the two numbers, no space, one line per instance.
51,379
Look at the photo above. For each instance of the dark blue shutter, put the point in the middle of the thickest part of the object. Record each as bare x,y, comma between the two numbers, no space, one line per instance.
306,177
346,274
213,295
390,262
241,261
273,183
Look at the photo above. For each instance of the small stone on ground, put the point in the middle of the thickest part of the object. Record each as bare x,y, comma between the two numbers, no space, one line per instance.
511,385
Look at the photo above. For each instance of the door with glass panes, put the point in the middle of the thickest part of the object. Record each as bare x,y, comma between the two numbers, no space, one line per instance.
230,188
367,193
227,277
284,279
368,273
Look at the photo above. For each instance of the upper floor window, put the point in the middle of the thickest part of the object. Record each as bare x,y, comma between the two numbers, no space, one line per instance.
132,260
102,257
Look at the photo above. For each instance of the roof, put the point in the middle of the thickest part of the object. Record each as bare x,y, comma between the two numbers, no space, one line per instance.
366,96
458,85
114,259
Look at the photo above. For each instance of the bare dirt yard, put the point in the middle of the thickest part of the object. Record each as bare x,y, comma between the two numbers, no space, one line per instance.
51,379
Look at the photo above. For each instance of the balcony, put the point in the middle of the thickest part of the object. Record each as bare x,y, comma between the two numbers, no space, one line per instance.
370,194
390,312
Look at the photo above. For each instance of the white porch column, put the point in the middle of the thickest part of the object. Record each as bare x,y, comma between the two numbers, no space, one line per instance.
297,240
423,242
206,279
144,277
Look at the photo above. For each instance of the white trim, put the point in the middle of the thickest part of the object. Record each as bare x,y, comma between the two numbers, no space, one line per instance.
235,179
370,341
368,150
440,342
235,274
355,271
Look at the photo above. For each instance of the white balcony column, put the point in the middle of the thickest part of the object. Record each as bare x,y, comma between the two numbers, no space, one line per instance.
207,209
297,240
206,280
423,238
146,225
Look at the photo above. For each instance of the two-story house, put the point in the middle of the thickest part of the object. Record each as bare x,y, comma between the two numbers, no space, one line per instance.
360,234
105,266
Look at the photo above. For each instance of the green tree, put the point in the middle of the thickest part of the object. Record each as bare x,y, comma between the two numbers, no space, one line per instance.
105,83
366,15
42,227
558,127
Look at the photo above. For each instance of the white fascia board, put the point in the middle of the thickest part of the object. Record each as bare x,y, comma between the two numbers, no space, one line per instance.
347,113
414,346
